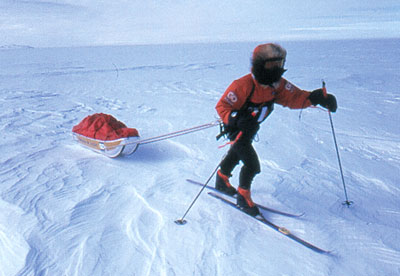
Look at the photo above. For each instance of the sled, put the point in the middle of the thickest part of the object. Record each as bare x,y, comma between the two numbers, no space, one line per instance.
128,145
110,148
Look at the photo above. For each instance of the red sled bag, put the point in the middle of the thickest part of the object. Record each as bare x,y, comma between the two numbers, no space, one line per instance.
105,134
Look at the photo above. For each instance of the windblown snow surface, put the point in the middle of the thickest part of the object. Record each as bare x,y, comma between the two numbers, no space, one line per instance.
66,210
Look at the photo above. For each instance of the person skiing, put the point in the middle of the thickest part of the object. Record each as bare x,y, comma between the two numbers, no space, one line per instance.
246,103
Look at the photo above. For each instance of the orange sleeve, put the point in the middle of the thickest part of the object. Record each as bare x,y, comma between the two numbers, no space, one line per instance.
291,96
233,99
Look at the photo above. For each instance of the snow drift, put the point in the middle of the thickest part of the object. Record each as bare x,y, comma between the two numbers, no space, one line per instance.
69,211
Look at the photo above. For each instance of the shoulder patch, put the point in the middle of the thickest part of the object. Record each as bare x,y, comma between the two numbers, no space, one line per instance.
289,86
231,98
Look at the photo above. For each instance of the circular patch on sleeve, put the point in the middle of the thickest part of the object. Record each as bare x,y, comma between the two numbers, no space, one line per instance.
289,86
231,98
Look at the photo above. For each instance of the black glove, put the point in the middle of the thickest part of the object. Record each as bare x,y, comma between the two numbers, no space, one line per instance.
317,97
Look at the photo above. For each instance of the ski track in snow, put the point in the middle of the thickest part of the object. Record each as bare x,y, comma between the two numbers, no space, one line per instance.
66,210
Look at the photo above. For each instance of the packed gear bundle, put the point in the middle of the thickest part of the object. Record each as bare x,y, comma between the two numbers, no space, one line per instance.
105,134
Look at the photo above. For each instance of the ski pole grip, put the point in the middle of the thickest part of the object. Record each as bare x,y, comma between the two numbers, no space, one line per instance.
324,89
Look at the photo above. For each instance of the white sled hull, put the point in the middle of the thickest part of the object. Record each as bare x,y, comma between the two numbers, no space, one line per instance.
111,148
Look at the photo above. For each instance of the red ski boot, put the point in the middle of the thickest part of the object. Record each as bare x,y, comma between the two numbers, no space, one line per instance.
222,184
245,202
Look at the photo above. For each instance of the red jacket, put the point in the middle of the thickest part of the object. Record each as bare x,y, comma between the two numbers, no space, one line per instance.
284,93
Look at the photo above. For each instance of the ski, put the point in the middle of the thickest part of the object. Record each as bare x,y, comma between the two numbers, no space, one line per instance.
268,209
265,221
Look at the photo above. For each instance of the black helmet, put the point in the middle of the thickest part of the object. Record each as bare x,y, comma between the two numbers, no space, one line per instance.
267,63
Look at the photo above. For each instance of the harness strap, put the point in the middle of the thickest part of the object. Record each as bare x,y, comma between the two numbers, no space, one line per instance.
223,129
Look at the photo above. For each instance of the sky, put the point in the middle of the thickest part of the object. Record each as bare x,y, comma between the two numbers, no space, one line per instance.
58,23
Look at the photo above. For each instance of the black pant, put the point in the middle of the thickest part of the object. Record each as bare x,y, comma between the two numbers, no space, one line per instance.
243,151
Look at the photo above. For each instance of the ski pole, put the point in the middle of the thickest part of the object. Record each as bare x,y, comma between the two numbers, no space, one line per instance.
182,221
347,202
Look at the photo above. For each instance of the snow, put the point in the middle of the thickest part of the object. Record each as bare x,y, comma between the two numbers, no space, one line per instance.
66,210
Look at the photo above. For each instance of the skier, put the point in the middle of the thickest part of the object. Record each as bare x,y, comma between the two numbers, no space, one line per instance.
246,103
